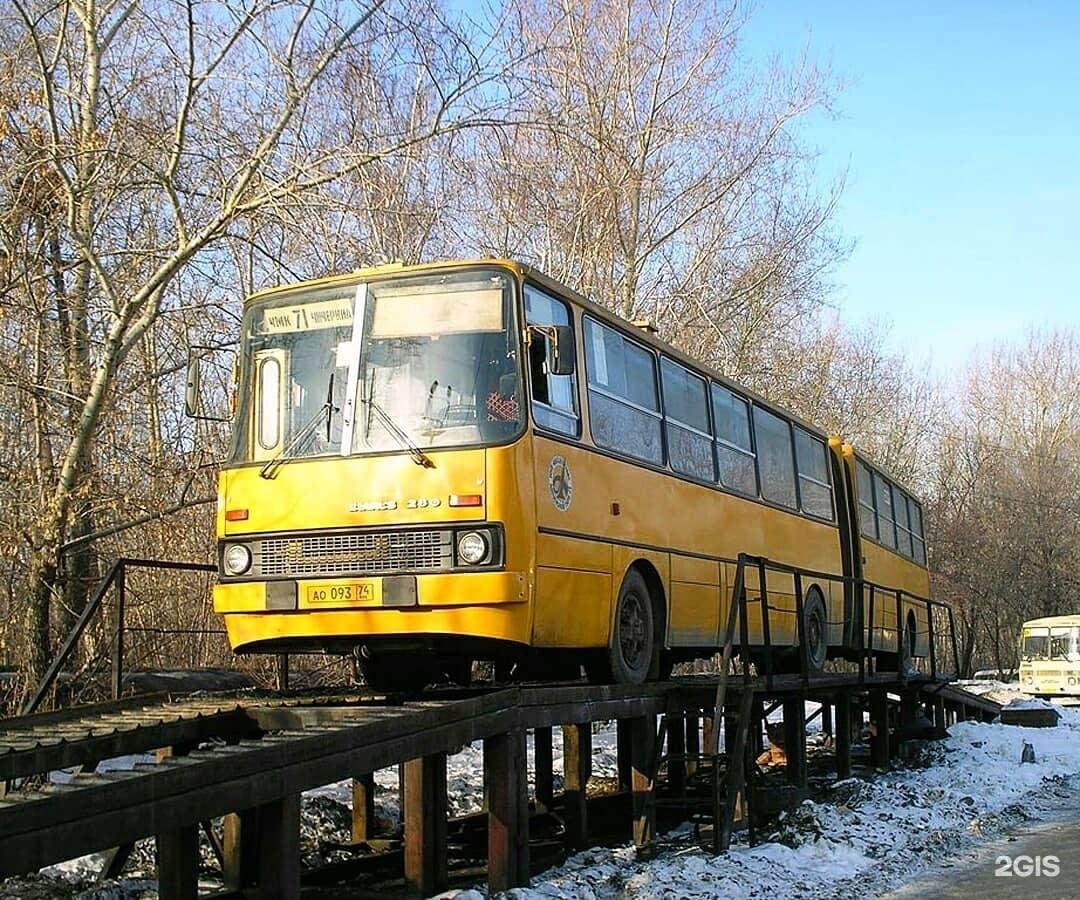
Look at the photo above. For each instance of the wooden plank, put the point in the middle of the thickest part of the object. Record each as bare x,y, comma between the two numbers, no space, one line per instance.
843,735
693,743
643,759
879,725
424,809
506,788
795,742
278,828
624,763
577,767
543,761
178,863
363,807
240,849
676,748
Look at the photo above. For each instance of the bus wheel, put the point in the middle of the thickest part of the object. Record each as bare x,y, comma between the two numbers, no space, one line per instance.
815,631
633,653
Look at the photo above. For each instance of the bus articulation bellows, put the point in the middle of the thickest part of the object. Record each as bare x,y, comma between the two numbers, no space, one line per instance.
449,462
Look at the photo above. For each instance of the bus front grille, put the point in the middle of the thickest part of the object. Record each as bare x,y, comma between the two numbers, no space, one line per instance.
362,553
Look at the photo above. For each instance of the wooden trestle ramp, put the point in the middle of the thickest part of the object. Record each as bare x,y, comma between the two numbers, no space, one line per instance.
248,758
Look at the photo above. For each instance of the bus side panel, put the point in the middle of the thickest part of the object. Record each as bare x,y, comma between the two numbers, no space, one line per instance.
694,614
567,613
571,606
885,567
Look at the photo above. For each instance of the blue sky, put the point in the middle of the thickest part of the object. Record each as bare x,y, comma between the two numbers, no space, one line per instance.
959,127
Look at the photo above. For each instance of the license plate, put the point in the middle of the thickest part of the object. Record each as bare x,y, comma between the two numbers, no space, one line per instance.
368,592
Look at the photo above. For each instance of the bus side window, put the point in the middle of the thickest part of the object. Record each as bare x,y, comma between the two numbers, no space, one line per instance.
554,397
776,463
885,515
867,511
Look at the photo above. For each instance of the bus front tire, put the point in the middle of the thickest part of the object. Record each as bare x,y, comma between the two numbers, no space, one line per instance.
634,653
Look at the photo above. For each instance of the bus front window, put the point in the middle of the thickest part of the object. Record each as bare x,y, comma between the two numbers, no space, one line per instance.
434,361
1035,643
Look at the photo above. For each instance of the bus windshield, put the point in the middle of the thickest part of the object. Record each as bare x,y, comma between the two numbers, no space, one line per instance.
1060,643
437,366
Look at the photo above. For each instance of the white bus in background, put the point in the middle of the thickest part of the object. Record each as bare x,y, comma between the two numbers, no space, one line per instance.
1050,657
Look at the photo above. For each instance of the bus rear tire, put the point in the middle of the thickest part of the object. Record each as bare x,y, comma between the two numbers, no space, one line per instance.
387,674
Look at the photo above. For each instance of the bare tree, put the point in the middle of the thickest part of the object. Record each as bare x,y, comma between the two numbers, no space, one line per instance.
141,139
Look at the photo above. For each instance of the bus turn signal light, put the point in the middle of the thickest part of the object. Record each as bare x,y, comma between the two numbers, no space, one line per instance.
236,515
466,500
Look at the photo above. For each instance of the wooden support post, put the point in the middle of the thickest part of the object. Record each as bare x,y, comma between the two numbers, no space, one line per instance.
278,827
843,735
240,849
909,707
693,743
363,807
826,718
283,672
544,763
425,824
506,786
795,741
707,733
757,724
879,723
623,754
178,863
577,767
940,720
643,755
676,745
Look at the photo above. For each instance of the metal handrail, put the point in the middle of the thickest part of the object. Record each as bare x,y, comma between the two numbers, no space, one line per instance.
863,589
115,575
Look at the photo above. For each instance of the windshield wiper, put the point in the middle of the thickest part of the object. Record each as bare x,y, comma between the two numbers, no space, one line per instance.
418,456
304,434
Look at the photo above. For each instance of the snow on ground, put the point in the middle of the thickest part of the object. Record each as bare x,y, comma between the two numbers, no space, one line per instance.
864,838
860,839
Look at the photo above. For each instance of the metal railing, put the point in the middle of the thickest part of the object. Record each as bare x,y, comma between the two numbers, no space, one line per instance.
869,633
116,578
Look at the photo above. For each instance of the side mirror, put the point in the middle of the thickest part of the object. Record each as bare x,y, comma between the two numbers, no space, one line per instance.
191,391
560,350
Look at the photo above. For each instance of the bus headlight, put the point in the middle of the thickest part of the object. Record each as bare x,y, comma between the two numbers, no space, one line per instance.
237,559
472,547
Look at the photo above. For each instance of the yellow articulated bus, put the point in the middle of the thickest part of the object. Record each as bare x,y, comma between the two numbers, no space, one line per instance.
1050,657
449,462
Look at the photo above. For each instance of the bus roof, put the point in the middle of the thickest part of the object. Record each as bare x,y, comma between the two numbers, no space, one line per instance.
1071,621
524,270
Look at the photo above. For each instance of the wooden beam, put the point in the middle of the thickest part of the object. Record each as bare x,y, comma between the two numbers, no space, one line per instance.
178,863
278,828
240,849
624,754
676,747
577,767
843,735
879,724
826,718
795,741
643,748
693,743
506,787
544,764
425,824
363,807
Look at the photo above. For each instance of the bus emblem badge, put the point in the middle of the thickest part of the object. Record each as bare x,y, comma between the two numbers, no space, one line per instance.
560,483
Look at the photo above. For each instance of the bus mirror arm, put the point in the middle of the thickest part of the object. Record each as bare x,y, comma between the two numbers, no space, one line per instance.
558,347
